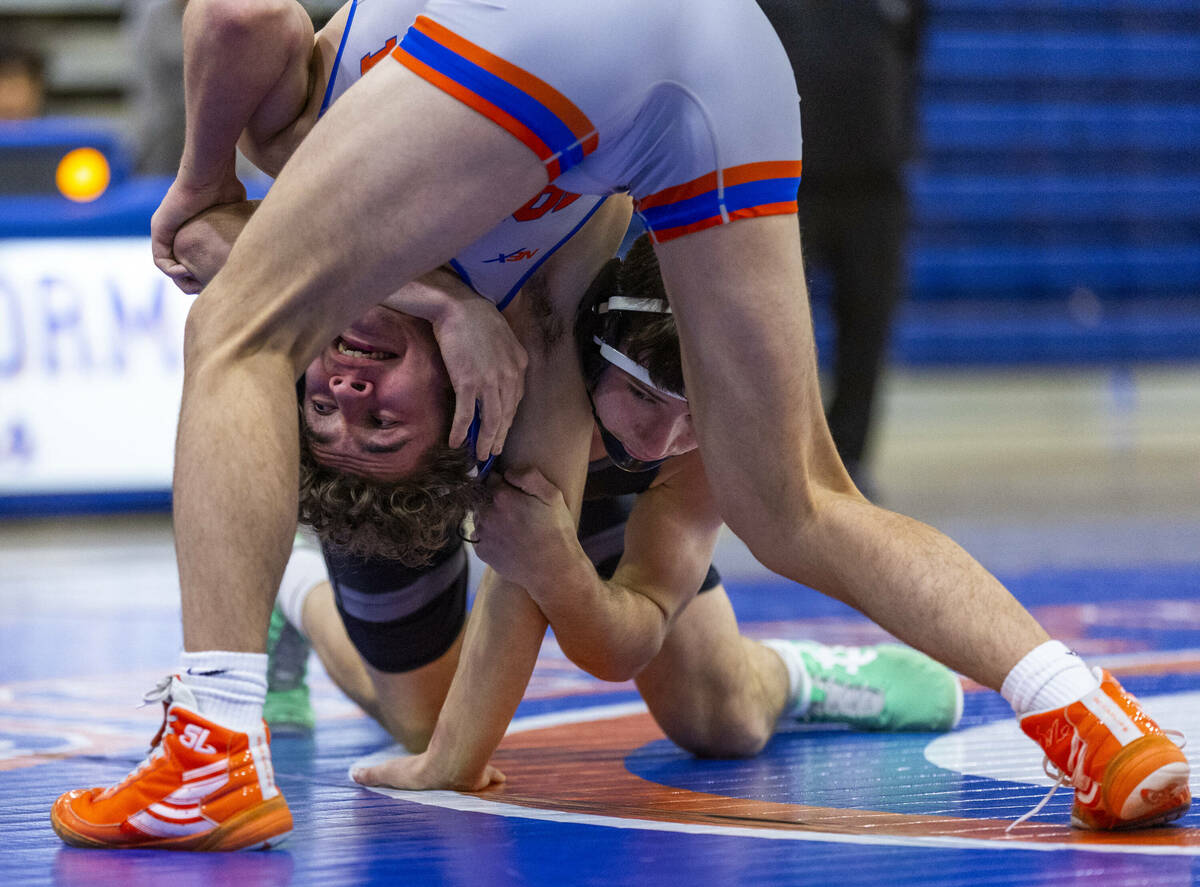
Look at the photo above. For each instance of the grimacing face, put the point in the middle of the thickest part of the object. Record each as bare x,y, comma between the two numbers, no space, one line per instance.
649,424
374,397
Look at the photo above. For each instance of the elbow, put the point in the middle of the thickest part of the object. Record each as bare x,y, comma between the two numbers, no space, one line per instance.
614,672
608,662
617,642
232,21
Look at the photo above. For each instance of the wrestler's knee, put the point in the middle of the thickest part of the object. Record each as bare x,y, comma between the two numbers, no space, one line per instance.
224,329
774,528
201,332
722,737
212,334
230,20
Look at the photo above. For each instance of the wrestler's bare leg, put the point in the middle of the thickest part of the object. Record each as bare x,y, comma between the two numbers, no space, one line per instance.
405,703
749,359
711,690
369,201
409,702
323,626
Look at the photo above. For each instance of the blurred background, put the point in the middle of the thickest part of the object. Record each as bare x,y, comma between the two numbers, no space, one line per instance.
1039,345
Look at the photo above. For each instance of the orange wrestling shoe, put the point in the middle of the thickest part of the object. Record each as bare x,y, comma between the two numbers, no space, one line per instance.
202,787
1126,772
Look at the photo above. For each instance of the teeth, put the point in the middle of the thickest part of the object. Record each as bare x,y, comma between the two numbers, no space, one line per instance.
343,348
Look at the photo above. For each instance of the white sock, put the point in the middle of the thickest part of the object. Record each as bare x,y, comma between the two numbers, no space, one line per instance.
305,571
799,683
230,688
1049,676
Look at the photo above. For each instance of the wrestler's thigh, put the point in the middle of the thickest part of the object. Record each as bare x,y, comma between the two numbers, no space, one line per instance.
410,701
395,179
749,361
702,648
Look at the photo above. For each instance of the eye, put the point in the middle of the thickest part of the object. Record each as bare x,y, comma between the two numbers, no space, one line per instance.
640,394
322,408
380,422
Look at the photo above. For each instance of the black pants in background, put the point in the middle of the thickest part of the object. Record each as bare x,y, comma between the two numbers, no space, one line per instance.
856,232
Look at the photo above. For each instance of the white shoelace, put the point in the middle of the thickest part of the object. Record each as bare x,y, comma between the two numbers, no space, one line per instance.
160,693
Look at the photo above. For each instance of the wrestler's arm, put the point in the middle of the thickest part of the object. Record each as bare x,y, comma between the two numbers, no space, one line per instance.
505,629
613,628
254,73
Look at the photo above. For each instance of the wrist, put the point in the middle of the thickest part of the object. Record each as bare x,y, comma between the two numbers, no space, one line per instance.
209,178
442,766
564,582
437,297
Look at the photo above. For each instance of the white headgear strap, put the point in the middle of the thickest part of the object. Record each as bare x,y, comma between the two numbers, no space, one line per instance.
628,303
627,364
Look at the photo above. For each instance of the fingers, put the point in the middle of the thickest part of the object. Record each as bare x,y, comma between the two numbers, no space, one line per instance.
162,246
493,425
395,774
189,284
510,396
390,774
366,775
464,411
532,482
491,777
180,275
497,407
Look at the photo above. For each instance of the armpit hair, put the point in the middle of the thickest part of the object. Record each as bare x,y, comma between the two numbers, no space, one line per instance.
550,328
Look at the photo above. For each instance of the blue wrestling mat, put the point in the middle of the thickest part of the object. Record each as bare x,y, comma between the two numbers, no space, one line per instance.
595,794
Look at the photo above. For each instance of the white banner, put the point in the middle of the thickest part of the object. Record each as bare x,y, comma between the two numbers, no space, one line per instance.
91,366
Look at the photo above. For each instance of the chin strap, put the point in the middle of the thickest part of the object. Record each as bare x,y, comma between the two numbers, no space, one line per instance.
615,450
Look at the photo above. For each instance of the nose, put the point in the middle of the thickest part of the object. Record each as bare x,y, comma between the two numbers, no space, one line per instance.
349,391
671,438
685,437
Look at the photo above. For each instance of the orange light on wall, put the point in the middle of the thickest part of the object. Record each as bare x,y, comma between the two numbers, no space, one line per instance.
82,175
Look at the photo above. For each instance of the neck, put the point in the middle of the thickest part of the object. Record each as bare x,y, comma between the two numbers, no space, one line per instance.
597,450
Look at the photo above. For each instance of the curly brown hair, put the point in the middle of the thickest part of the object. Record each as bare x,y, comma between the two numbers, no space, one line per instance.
408,520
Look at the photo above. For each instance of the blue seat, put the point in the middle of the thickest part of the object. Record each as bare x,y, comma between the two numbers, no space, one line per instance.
1055,198
1002,128
1032,271
1049,57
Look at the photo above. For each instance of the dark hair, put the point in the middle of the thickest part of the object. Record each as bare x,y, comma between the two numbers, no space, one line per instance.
408,520
649,339
13,55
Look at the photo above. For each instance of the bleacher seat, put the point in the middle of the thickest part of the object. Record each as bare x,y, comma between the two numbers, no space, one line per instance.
1060,141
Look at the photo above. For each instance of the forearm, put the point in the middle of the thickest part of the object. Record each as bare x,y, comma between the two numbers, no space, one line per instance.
237,54
204,243
504,635
438,296
609,630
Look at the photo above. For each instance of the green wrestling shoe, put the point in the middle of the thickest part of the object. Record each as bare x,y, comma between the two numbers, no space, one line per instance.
288,708
885,687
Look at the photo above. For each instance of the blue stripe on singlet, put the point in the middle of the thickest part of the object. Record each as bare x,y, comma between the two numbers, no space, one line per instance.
706,206
544,123
337,62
